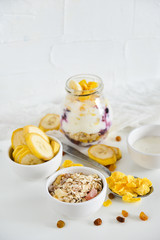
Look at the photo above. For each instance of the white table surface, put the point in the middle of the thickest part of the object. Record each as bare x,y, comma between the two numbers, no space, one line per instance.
42,43
24,213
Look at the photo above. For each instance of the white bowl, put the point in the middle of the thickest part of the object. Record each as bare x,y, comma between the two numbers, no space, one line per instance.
77,210
146,160
43,170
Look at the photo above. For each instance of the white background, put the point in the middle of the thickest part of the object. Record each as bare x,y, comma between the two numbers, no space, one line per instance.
42,43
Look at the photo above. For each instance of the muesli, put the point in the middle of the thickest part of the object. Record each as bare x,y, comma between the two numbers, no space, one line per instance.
76,187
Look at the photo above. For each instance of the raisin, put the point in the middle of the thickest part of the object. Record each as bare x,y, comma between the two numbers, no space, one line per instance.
118,138
143,216
120,219
98,222
60,224
112,167
64,153
124,213
111,195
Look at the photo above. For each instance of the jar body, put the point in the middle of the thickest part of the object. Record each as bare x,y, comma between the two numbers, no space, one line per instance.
86,118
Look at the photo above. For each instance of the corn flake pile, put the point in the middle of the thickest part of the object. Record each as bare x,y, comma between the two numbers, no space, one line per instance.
128,187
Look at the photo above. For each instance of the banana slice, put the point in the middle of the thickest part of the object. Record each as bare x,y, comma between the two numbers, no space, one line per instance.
50,122
39,147
18,151
18,138
117,152
102,154
30,159
34,129
55,146
74,85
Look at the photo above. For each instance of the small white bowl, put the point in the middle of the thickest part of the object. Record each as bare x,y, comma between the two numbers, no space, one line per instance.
38,171
146,160
76,210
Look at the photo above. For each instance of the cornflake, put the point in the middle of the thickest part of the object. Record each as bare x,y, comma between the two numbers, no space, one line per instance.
128,187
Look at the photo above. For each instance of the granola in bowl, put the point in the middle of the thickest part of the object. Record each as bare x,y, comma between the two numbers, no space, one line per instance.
76,187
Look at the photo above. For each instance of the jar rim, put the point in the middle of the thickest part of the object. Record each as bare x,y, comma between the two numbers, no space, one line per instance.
85,92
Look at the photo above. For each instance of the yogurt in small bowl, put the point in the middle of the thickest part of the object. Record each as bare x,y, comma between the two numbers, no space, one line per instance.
144,146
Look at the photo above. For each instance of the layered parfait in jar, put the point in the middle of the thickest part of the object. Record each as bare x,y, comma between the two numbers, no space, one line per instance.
86,115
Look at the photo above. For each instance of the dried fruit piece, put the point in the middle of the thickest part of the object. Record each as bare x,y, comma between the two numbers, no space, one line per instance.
91,194
112,167
118,138
92,85
107,203
102,154
60,224
98,221
50,122
111,195
124,213
120,219
83,84
143,216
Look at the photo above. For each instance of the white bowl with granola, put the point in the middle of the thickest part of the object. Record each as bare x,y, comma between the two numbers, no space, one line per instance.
76,192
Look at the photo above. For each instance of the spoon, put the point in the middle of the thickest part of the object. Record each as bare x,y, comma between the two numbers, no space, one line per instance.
75,153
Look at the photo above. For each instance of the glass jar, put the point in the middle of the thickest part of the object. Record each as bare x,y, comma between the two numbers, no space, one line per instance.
85,118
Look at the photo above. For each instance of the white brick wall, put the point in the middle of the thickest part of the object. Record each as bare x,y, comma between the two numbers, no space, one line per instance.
42,43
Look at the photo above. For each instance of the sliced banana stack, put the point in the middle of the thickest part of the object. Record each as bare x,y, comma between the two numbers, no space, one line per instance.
34,129
39,147
18,138
50,122
102,154
32,146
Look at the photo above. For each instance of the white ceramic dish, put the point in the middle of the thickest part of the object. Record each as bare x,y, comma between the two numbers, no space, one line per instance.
146,160
77,210
43,170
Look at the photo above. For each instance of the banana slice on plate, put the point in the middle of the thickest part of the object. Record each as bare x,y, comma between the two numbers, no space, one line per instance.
50,122
117,152
29,159
74,85
39,147
34,129
102,154
18,138
55,146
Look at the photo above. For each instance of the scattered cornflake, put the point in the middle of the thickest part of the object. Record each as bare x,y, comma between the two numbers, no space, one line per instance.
69,163
107,203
